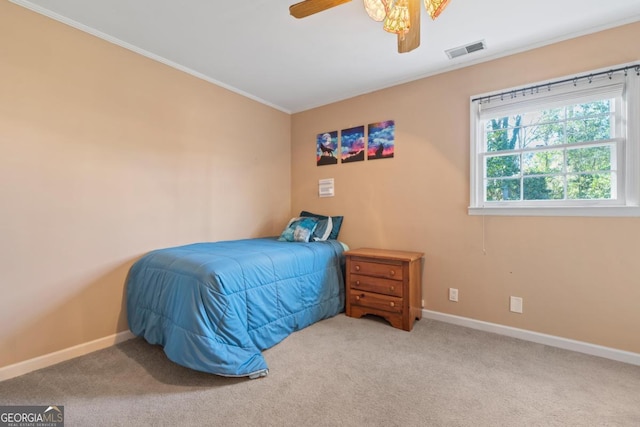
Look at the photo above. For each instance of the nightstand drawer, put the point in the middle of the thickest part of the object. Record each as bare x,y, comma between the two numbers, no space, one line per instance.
375,284
376,301
368,268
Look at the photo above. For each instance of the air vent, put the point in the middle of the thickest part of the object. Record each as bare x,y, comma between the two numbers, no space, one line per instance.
465,50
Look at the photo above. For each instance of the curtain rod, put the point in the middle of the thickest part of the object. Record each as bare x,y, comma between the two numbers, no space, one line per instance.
514,92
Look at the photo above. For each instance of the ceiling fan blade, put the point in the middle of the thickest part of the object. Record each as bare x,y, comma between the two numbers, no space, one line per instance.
411,39
309,7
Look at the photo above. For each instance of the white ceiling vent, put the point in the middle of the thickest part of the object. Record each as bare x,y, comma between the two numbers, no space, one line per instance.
465,50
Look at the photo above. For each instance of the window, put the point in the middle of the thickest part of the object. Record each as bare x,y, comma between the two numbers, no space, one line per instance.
570,147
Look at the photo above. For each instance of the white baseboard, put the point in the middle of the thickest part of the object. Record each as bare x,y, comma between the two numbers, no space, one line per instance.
40,362
550,340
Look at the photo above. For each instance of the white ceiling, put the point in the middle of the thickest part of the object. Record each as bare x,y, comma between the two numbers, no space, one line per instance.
254,47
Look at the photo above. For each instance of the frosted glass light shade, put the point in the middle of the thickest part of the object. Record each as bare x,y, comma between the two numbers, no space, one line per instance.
376,9
435,7
397,20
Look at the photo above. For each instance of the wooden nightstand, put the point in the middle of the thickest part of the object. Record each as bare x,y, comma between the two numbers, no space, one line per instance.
384,283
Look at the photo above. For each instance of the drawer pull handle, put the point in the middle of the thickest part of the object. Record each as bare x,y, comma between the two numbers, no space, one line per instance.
358,282
392,288
392,304
359,296
357,268
392,273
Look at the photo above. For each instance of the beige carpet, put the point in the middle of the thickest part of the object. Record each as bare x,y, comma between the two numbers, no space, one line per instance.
351,372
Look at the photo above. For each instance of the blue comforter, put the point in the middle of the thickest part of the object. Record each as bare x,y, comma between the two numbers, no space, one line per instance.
215,306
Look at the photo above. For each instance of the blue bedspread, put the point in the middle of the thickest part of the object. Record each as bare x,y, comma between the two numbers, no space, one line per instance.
215,306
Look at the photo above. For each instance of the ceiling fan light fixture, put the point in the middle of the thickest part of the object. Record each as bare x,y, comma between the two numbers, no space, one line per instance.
376,9
435,7
400,17
397,20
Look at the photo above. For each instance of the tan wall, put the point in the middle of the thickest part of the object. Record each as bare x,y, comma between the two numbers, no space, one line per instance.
579,277
104,155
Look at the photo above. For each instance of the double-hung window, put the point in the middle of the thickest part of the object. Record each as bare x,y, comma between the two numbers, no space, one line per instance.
570,147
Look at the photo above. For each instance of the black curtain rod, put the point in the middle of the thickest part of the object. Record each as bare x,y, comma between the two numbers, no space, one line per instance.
524,90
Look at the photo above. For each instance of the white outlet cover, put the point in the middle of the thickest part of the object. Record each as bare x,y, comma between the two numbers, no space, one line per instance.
515,304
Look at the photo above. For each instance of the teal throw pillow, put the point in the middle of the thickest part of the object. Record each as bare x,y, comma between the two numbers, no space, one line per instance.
299,230
336,223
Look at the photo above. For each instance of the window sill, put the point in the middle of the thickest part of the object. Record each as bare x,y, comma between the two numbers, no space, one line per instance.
592,211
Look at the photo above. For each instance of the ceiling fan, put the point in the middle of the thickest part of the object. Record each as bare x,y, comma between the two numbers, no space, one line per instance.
401,17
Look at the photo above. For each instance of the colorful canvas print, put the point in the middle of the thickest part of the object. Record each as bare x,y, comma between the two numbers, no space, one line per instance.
327,148
381,140
352,144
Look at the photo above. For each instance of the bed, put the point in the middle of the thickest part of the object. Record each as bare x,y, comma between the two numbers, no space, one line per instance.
214,307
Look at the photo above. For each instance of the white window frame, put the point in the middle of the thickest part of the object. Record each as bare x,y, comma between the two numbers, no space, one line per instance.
563,91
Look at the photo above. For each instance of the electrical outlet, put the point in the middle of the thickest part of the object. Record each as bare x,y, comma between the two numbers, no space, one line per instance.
453,294
515,304
422,304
